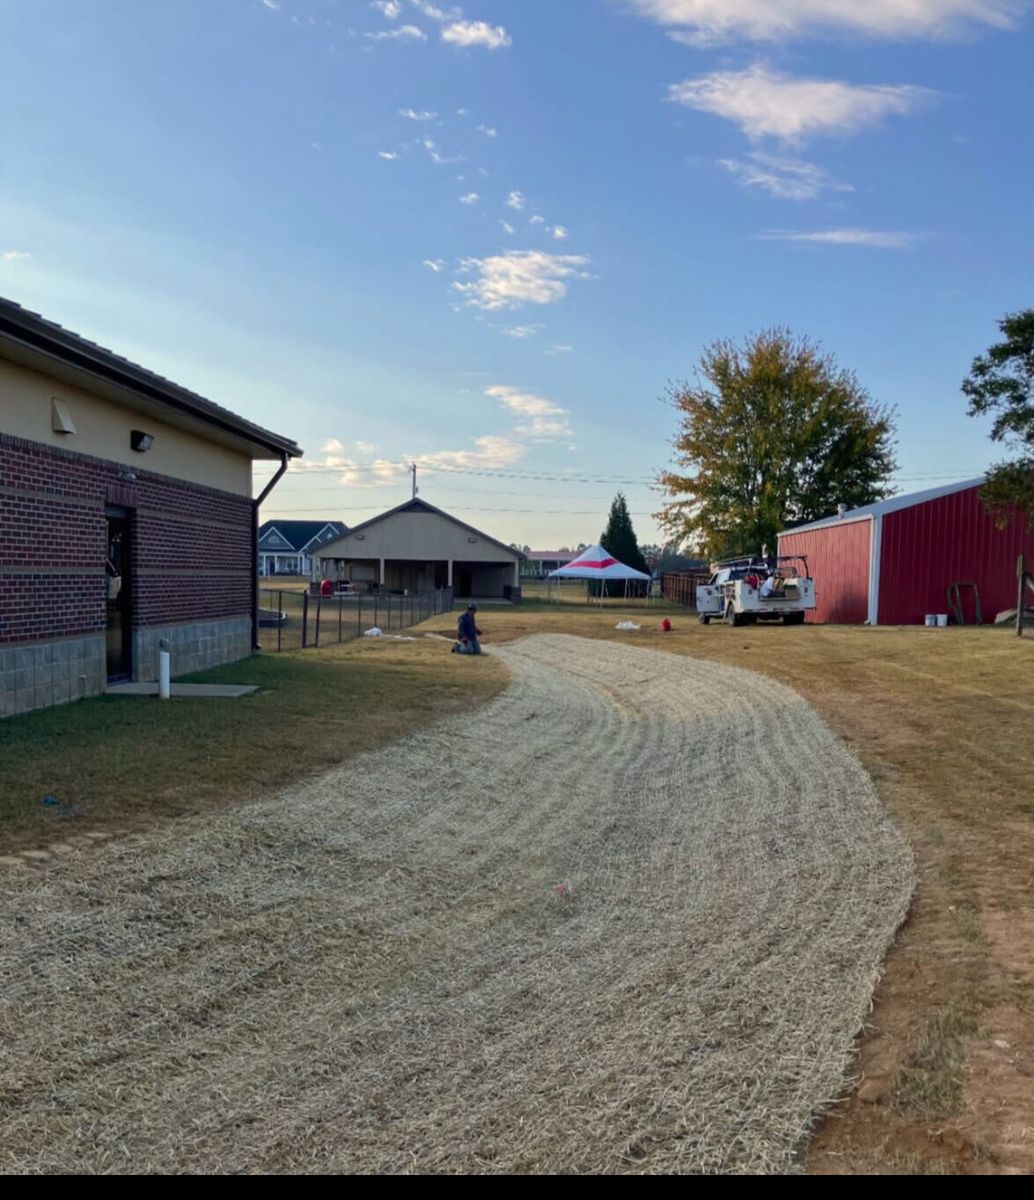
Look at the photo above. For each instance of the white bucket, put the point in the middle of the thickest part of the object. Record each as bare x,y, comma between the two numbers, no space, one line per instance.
942,620
931,620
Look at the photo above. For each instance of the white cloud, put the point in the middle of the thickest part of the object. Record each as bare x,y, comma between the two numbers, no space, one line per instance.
492,452
271,4
434,13
365,447
785,178
434,264
462,112
508,228
388,155
542,419
517,277
476,33
390,8
559,348
767,103
702,22
519,331
404,33
470,198
488,130
515,200
436,156
334,456
536,220
559,233
883,239
417,114
15,255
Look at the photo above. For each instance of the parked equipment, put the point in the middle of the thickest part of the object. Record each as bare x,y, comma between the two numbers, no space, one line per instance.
758,588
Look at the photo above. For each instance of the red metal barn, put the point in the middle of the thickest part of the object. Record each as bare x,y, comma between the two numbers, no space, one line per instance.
891,563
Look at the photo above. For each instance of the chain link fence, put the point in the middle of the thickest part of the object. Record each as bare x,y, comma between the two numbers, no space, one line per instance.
293,620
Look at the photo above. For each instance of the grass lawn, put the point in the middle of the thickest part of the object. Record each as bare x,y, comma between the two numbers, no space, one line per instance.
124,762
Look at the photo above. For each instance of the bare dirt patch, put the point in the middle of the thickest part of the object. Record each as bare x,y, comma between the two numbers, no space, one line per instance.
626,917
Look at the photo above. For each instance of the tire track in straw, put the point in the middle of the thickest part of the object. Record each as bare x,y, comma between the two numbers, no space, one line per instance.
375,973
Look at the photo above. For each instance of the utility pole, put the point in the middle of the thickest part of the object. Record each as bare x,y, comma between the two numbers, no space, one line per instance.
415,488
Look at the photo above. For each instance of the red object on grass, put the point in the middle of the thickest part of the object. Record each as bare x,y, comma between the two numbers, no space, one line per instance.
666,625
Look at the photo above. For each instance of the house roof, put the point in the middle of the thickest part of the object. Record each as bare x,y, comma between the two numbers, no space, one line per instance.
551,555
891,504
416,505
30,339
301,533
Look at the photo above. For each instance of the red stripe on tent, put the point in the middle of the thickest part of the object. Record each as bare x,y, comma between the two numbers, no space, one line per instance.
596,566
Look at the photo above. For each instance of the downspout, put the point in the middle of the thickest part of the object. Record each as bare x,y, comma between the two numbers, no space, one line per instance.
254,548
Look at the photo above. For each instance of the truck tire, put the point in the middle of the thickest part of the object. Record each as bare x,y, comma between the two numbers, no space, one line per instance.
794,618
732,617
704,620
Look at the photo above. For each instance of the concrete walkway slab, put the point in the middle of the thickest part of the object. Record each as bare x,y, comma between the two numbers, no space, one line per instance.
197,691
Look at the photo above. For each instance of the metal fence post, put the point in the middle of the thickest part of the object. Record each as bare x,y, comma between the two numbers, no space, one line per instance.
359,617
1021,580
305,619
279,621
319,610
376,608
340,614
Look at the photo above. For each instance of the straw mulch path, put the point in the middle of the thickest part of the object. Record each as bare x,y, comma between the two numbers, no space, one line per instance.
626,918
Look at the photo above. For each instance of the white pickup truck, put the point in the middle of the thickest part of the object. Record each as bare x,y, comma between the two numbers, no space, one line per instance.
745,590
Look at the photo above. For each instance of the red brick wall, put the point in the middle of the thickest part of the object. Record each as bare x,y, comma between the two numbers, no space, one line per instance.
191,545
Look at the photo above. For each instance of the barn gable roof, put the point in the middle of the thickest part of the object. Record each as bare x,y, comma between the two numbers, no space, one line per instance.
416,505
891,504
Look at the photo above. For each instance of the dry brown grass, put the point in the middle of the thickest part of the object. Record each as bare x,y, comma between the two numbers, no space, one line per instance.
627,918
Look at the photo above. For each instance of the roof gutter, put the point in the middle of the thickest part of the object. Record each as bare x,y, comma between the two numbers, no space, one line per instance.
255,505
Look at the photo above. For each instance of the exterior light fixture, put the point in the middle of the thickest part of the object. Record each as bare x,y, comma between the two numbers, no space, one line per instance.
140,441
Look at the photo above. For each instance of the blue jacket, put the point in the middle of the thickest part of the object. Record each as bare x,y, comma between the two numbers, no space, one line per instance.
468,626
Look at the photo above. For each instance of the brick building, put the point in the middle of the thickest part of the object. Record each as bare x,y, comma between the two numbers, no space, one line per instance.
126,517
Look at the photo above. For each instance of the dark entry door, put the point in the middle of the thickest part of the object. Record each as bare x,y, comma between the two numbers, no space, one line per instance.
464,582
120,593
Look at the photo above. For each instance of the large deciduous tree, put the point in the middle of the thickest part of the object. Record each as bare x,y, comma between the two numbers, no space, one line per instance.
1002,382
772,433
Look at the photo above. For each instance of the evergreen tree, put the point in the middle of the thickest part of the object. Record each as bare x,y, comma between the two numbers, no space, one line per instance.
619,539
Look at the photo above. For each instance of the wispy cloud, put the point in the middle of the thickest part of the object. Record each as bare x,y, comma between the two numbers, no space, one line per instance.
541,419
434,264
518,277
559,233
768,103
435,13
390,8
703,22
879,238
490,452
558,348
15,255
520,332
536,220
488,130
436,156
388,155
508,228
365,447
470,198
515,200
417,114
271,4
404,33
784,178
476,33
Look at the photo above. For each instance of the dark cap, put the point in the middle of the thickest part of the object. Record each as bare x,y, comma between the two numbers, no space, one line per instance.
472,608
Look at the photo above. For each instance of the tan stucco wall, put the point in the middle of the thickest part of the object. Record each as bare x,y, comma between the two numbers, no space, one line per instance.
103,428
425,536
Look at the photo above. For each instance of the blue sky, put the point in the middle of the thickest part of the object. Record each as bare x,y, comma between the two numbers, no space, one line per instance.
485,237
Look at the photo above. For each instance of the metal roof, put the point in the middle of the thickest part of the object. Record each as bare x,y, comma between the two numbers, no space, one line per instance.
891,504
417,505
29,338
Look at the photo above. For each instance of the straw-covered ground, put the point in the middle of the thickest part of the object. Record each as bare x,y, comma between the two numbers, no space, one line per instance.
626,917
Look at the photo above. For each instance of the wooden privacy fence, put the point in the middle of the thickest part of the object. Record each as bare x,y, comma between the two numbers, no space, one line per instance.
680,587
297,620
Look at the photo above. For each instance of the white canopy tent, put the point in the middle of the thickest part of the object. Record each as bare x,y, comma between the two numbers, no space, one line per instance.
595,563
